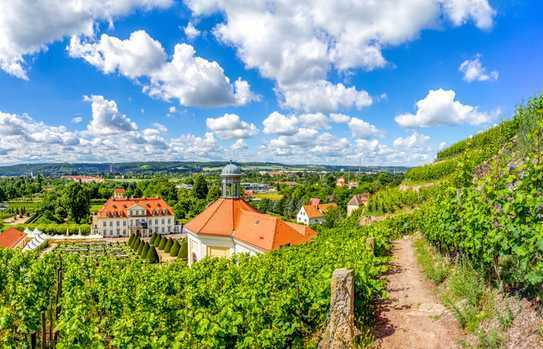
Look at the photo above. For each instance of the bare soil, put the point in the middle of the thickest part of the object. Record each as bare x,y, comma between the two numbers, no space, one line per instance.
413,317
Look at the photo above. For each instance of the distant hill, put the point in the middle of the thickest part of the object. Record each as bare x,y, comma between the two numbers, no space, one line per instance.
170,167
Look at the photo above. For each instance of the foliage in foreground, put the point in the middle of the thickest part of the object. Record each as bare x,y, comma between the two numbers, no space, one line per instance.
268,301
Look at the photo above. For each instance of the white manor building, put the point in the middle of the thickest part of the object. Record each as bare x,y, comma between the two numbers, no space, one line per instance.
121,216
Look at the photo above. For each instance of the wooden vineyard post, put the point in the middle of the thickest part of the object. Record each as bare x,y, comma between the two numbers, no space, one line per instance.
341,331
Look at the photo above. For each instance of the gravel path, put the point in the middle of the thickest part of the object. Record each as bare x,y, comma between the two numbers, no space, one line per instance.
413,318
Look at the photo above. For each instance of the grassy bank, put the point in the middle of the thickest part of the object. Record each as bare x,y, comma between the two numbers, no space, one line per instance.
491,318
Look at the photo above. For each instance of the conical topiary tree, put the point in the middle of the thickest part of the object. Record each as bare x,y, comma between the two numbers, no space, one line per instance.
168,245
130,240
137,243
134,242
145,250
175,249
140,247
183,249
152,255
162,243
154,238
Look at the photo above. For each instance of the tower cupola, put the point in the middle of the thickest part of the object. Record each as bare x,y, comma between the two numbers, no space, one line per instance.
231,179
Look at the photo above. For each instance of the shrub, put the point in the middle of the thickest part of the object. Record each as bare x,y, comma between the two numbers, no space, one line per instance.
168,245
183,249
175,249
140,247
154,239
162,243
152,255
145,249
131,240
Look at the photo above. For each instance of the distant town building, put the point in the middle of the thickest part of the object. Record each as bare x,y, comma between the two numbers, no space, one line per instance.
314,212
184,186
256,187
121,216
84,179
353,184
340,183
12,238
356,202
230,225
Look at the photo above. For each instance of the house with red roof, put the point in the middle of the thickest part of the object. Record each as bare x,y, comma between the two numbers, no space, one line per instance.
356,202
313,213
12,238
230,225
121,216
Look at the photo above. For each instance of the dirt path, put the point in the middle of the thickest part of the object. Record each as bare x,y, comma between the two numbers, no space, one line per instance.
413,318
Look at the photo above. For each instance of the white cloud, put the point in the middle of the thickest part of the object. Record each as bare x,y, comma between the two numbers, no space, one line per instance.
192,80
363,129
474,70
298,45
322,96
460,11
28,27
277,123
194,147
415,140
315,120
106,119
439,107
134,57
340,118
239,145
190,31
230,126
172,110
77,120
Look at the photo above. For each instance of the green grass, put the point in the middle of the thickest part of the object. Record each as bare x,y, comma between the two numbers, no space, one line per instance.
270,196
464,292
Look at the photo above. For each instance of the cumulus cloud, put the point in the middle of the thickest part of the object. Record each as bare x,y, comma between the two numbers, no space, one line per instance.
277,123
230,126
192,80
106,119
474,70
190,31
28,27
440,107
415,140
239,145
461,11
340,118
297,46
322,96
363,129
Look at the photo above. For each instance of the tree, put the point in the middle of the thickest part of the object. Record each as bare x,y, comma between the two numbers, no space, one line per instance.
175,248
200,188
145,250
76,199
131,240
168,245
162,243
152,255
331,217
183,249
140,247
214,193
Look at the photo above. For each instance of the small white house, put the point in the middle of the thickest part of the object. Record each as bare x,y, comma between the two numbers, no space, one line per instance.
313,213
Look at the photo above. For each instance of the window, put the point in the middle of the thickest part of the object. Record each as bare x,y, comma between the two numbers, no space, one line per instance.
218,251
105,224
162,220
163,229
118,223
110,223
124,223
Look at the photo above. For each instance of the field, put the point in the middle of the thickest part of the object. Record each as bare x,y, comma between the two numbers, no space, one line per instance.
269,196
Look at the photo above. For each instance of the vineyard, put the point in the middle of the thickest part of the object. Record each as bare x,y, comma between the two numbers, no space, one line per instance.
495,219
273,300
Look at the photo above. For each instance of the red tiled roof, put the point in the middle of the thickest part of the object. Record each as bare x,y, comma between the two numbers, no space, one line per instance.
11,238
237,219
119,190
316,211
119,207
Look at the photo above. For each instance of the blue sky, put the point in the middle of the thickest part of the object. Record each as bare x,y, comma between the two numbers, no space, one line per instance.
373,83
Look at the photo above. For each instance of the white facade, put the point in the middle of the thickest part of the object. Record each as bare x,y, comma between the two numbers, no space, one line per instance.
303,218
200,246
137,220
